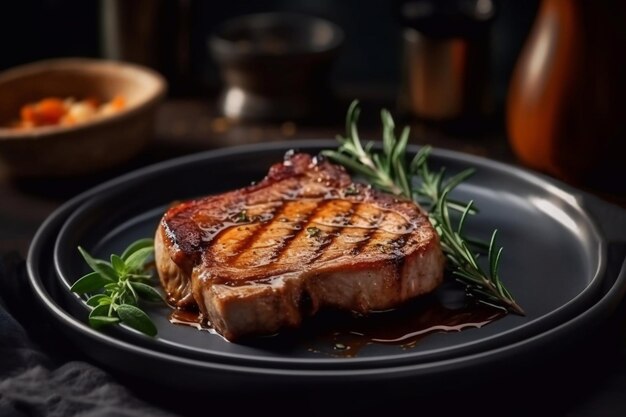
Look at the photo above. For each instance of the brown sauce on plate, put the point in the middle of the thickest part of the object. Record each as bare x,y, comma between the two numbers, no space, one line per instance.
406,327
188,318
343,334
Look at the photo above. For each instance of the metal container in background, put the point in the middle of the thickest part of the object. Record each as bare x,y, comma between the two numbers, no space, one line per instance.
153,33
446,60
275,66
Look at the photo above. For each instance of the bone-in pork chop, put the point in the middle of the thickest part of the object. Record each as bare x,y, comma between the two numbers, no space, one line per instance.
261,258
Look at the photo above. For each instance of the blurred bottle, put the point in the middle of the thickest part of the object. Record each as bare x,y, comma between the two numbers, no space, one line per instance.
446,60
565,110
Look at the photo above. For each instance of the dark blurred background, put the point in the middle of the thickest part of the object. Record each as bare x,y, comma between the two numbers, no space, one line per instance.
369,63
447,67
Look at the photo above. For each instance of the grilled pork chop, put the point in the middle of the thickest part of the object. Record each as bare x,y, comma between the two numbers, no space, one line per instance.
261,258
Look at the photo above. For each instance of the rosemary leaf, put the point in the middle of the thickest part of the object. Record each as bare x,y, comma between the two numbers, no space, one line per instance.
389,172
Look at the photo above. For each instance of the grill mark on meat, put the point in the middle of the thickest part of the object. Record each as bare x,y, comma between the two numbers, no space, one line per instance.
332,235
371,232
282,246
381,235
302,229
391,237
293,227
396,246
252,238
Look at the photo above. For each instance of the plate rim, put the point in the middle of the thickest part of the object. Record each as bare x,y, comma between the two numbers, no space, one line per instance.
602,308
566,195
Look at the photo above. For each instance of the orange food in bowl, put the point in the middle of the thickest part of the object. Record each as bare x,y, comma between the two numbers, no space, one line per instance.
66,112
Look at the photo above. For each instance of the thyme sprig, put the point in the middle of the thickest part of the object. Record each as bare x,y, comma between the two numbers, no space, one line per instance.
389,171
116,286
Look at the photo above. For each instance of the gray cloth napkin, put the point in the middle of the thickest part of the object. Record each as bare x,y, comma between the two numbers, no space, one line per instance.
33,383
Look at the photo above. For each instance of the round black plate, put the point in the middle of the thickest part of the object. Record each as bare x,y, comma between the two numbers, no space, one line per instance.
554,264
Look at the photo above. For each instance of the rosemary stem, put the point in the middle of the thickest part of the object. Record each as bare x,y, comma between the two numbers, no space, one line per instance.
388,171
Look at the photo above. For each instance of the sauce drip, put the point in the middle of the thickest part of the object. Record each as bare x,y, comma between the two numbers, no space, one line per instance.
188,318
404,327
342,334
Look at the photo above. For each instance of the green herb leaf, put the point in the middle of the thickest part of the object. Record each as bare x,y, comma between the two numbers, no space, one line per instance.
98,322
99,317
137,259
313,231
136,277
146,291
135,246
91,282
107,267
126,297
118,264
137,319
119,290
132,297
99,266
98,299
242,217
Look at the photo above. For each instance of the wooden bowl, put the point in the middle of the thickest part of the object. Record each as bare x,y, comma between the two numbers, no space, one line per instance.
85,147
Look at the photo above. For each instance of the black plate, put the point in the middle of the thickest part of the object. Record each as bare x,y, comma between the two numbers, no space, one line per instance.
557,273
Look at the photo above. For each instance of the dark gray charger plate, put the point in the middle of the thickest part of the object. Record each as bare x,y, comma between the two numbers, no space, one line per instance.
557,272
533,221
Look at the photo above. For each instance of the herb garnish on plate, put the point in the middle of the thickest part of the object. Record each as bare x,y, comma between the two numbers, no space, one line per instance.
390,171
117,286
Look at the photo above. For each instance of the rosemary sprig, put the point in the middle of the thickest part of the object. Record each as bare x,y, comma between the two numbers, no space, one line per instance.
117,286
388,171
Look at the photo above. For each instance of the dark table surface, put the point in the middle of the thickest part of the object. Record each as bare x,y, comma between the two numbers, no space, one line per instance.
186,126
587,380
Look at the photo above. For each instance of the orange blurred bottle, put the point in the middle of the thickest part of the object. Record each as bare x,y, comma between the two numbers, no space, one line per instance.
565,112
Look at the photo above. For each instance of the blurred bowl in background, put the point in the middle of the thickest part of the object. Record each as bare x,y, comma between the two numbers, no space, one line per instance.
85,147
275,66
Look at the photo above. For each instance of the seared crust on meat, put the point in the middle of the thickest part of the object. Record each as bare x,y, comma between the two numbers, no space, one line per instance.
261,258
